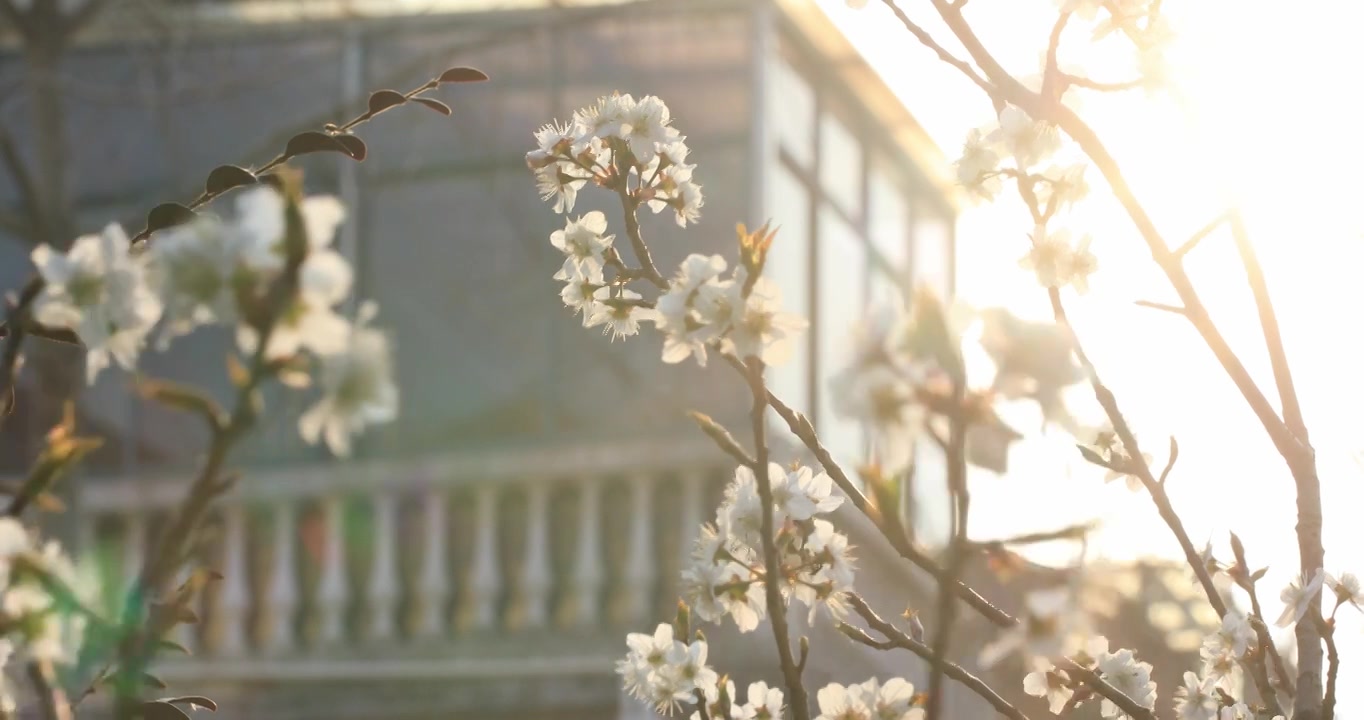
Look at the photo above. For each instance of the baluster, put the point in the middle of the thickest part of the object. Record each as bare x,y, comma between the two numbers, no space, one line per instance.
331,585
639,563
484,582
693,487
434,585
283,597
383,575
535,579
589,573
234,600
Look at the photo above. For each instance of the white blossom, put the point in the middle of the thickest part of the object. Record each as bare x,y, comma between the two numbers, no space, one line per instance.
1235,635
1196,699
868,700
764,703
1057,262
194,269
664,671
1346,589
1027,140
580,285
357,388
99,291
1128,676
757,328
685,331
1062,186
1298,597
561,182
1048,681
583,242
976,169
615,310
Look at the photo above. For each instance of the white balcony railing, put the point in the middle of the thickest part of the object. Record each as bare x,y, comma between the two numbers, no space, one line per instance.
530,561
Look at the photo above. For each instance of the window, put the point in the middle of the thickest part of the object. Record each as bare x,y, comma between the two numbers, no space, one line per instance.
888,230
932,264
792,110
788,204
840,165
840,287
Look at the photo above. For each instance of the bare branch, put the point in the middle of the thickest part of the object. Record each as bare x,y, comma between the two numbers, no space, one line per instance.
1111,693
895,638
776,608
1197,237
1175,309
928,41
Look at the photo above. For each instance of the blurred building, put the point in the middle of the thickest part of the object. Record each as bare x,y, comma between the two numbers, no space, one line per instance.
483,556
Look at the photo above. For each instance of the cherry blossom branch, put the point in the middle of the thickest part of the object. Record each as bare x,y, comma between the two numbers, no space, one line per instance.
1327,628
895,638
1091,84
776,609
18,322
800,426
1297,454
630,206
1269,324
1198,237
1073,532
1112,694
1248,581
928,41
958,550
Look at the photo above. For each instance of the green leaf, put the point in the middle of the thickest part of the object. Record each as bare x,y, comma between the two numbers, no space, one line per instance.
1093,456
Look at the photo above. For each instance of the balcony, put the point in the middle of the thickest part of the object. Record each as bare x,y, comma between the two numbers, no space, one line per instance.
524,565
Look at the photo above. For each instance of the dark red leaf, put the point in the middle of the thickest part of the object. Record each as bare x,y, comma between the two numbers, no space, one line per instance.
158,710
382,100
436,105
313,141
168,215
226,177
355,147
462,75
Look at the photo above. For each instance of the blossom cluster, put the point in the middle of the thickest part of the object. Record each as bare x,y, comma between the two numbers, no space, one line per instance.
727,575
222,271
612,141
1056,258
664,671
869,700
39,628
630,146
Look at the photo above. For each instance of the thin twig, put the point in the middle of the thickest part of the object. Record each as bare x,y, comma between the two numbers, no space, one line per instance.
958,549
1327,628
933,45
895,638
1198,237
800,426
1175,309
630,204
1112,694
776,609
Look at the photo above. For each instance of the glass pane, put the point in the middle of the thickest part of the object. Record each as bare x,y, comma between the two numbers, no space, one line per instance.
792,109
888,228
840,165
841,287
932,264
788,265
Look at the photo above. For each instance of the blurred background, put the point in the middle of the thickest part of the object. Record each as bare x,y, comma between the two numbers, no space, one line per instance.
484,556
